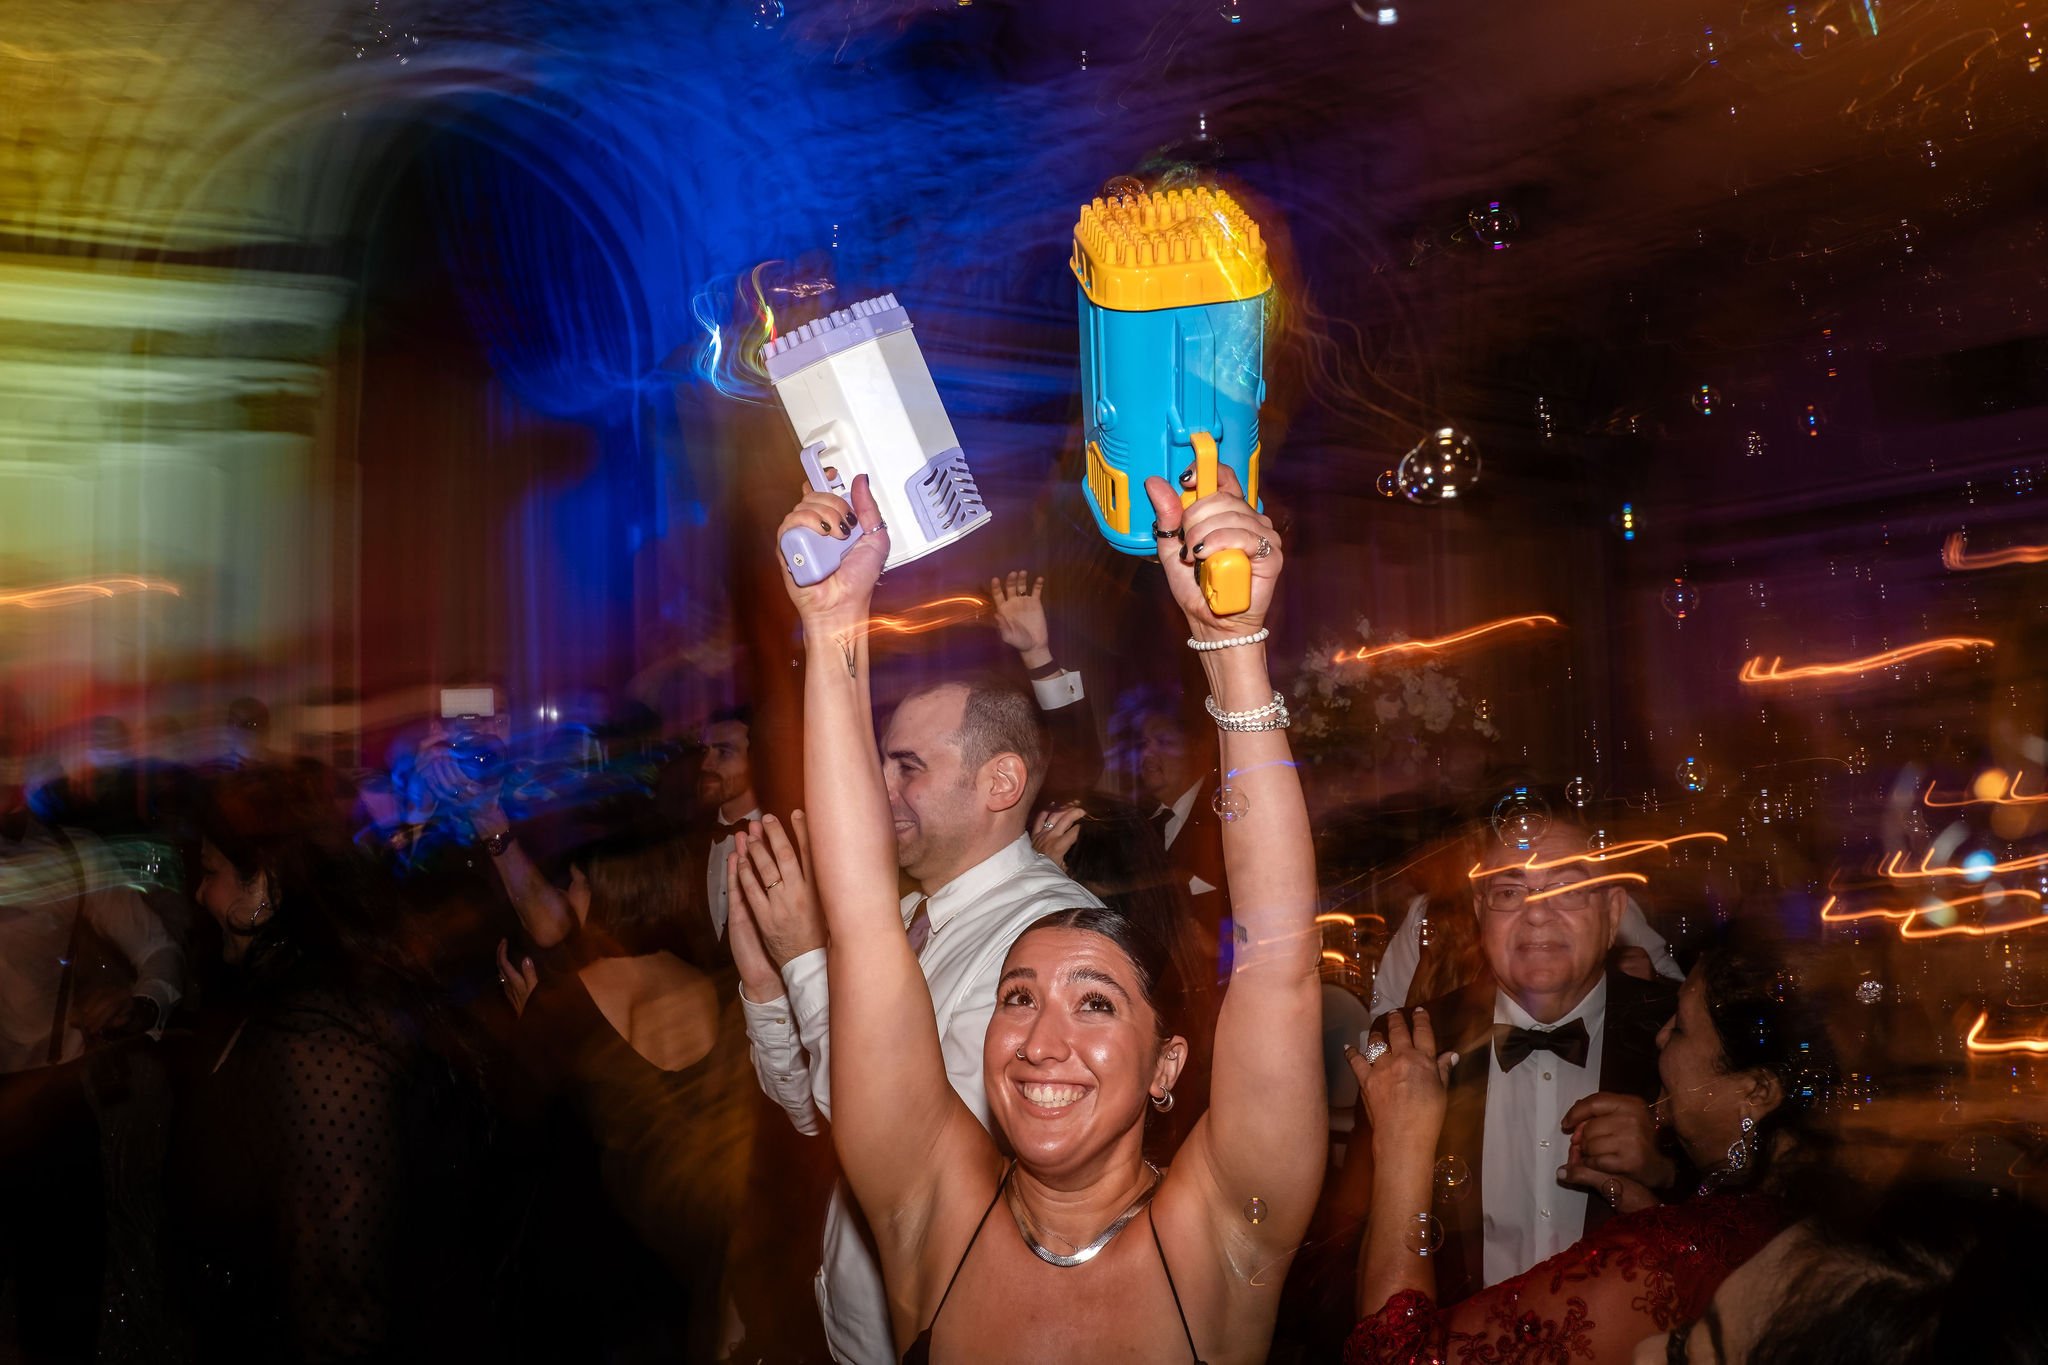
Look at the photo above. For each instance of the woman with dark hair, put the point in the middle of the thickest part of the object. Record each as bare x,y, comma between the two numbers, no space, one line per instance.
626,1048
318,1174
1011,1244
1111,846
1744,1062
1920,1274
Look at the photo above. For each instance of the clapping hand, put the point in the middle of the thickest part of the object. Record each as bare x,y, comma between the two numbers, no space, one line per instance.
1614,1151
1406,1087
768,878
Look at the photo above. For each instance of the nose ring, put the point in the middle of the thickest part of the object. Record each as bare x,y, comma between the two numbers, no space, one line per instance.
1020,1055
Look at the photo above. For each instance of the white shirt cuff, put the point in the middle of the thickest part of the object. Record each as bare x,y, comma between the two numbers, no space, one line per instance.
1061,689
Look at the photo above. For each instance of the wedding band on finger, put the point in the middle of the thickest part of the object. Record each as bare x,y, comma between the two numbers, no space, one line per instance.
770,886
1265,548
1375,1050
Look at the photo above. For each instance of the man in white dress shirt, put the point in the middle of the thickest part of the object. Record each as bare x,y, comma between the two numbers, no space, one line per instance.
1557,1064
963,761
725,787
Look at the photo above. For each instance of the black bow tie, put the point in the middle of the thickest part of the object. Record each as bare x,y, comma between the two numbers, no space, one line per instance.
1513,1045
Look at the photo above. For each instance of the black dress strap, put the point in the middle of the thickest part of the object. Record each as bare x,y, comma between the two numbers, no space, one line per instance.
1153,1223
920,1350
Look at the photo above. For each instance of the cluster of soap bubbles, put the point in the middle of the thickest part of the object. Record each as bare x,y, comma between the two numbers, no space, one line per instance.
1442,466
1681,599
1520,818
765,13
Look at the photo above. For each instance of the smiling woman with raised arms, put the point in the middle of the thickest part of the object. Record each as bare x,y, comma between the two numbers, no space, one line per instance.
1077,1248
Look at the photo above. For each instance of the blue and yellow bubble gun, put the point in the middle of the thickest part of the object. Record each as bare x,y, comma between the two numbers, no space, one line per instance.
1173,295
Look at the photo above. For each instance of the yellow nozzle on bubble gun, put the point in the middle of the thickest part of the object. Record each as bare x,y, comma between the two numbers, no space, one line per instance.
1227,574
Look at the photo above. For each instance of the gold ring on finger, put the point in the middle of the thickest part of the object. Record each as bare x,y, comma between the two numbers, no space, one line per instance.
770,886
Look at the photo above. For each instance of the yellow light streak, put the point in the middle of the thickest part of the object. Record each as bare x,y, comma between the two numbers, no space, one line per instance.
1612,853
85,590
928,616
1975,1041
2010,797
1956,556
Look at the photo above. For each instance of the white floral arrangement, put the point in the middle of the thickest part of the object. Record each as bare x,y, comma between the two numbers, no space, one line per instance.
1382,709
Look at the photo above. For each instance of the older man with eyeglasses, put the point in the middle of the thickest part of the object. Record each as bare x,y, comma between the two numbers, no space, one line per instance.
1556,1069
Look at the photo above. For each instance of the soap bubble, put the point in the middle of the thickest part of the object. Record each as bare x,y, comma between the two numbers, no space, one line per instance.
1707,48
1693,775
1520,817
1772,806
1579,792
1229,805
1812,421
1908,235
1230,13
1869,990
1387,484
1482,710
1494,226
1255,1210
1546,421
1123,189
1706,400
1442,466
1681,599
765,13
1598,841
1425,1235
1453,1179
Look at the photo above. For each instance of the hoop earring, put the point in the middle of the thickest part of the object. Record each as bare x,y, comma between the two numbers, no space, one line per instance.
1163,1103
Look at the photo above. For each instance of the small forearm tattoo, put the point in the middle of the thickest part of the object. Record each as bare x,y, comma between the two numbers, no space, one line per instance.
849,647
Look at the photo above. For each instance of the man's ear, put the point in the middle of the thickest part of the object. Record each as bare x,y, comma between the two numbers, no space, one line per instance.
1005,780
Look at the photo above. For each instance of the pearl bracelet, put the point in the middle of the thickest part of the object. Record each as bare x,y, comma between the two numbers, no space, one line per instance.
1230,642
1272,716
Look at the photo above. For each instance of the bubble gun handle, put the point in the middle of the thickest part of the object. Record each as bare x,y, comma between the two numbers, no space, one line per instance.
813,556
1227,574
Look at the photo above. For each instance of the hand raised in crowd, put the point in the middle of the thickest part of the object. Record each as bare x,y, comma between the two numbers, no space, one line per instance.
840,601
1221,521
1054,830
772,875
518,982
1406,1087
1614,1151
1020,616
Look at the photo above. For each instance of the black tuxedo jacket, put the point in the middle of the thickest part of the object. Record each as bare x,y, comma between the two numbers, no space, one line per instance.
1463,1020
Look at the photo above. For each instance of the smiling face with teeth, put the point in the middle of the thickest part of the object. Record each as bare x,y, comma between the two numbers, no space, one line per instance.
1075,1049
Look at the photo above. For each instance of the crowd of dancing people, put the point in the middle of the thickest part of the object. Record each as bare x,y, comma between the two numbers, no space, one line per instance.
979,1053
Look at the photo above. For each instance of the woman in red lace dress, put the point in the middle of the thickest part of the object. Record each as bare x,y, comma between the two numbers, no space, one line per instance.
1742,1062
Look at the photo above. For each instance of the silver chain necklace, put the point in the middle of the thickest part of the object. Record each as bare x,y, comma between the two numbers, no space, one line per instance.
1102,1239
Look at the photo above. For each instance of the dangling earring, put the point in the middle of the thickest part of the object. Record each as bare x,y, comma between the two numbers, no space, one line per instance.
1739,1150
1163,1103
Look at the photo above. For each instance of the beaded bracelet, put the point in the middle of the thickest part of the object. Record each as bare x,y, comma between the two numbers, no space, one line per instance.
1272,716
1229,642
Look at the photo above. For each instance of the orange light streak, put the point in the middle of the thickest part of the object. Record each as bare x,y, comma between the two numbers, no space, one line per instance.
1356,656
2012,797
1337,917
1332,955
1975,1041
1755,671
1955,556
1632,848
1909,918
85,590
1928,872
929,616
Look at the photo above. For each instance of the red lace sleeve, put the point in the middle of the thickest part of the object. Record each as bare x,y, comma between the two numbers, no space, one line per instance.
1636,1276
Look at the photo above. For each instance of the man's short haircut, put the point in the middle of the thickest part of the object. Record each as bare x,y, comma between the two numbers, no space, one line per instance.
998,717
737,714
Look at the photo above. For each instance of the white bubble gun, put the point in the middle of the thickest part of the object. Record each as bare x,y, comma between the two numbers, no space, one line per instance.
861,400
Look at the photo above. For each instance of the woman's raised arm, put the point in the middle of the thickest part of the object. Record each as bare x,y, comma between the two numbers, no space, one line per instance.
1264,1135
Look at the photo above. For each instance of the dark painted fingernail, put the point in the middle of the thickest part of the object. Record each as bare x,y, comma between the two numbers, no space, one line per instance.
1199,548
825,526
1188,475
